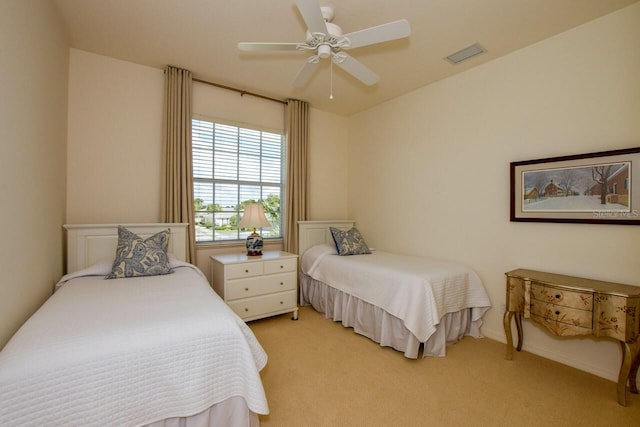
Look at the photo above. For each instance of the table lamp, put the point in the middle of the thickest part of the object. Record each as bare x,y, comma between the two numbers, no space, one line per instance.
254,217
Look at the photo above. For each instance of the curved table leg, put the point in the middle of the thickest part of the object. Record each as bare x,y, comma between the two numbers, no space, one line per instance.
633,374
508,315
506,320
519,329
629,365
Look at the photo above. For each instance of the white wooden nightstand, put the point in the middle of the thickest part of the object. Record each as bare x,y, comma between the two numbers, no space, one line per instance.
257,287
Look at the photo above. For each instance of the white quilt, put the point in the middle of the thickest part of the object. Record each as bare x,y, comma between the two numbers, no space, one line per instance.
419,291
128,352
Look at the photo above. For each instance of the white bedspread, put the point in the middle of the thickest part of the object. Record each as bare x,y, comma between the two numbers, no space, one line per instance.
129,352
420,291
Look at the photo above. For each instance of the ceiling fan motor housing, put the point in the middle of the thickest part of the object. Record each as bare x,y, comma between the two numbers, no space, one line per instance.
326,42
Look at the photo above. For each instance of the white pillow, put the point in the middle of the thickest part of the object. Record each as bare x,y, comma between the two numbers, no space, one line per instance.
314,254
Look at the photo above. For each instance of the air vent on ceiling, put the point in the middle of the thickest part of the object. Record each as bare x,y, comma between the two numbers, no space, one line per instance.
466,53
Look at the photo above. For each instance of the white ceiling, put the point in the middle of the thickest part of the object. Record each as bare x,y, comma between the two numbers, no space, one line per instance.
202,36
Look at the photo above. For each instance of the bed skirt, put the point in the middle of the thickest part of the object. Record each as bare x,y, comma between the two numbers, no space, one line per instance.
378,325
232,412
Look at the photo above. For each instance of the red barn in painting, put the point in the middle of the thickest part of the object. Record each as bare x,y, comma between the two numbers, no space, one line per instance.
617,186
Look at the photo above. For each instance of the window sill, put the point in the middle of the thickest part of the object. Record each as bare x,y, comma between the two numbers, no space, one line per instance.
235,244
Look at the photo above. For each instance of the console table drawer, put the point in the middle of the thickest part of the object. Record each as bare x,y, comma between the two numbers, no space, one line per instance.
562,321
563,297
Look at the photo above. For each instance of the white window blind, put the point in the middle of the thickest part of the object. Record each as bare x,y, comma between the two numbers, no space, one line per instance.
232,166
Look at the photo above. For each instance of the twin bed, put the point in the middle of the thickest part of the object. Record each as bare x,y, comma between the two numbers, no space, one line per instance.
165,350
399,301
159,350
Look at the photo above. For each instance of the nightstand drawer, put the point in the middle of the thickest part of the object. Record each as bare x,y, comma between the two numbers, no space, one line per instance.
244,288
280,265
262,305
247,269
553,295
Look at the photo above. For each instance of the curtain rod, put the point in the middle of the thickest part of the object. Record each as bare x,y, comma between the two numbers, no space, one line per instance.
241,92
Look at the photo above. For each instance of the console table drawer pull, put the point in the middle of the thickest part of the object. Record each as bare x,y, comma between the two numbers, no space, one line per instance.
557,296
557,312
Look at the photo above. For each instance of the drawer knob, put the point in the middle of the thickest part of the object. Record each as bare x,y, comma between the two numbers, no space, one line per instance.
557,296
557,312
246,289
281,283
282,266
246,271
281,302
246,309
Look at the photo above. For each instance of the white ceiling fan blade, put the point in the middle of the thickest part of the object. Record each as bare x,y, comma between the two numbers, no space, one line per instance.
382,33
356,68
250,46
306,72
312,15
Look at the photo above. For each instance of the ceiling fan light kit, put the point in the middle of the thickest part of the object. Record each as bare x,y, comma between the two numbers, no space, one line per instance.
325,39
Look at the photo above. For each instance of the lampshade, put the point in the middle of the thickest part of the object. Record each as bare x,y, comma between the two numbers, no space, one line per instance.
253,216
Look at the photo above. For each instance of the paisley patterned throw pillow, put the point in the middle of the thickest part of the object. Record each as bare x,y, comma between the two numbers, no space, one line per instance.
349,242
136,256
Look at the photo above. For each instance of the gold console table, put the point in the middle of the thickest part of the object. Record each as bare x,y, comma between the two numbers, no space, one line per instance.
572,306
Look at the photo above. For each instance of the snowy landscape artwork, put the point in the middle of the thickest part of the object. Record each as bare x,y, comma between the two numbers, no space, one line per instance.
594,188
577,189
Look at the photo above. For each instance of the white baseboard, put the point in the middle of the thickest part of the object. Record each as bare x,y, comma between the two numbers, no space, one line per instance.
557,357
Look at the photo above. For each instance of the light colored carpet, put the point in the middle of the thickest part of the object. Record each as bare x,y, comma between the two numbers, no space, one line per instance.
322,374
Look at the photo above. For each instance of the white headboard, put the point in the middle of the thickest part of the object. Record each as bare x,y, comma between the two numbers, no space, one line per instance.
88,243
312,233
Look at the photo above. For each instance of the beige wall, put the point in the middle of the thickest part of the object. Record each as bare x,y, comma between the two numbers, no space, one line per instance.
115,140
33,118
328,166
114,148
438,159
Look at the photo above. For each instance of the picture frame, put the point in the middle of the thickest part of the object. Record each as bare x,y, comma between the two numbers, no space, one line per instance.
594,188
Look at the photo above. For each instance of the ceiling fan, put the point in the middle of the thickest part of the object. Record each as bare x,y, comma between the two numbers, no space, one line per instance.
325,39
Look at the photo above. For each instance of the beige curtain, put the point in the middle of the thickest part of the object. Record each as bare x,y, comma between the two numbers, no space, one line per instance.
297,134
177,178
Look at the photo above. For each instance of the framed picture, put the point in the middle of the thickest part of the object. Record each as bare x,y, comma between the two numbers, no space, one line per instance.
596,188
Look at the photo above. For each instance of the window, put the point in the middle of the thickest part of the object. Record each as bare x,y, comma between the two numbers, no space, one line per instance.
232,166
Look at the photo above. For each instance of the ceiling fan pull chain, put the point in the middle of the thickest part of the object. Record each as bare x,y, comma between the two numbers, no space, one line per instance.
331,79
